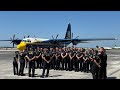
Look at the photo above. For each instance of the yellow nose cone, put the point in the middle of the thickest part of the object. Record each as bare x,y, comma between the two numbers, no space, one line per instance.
21,46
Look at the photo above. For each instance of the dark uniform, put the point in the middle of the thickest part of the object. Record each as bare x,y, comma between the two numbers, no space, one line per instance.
79,56
31,58
91,61
46,63
38,54
64,60
53,61
95,67
103,64
15,64
71,60
22,62
86,63
26,60
57,60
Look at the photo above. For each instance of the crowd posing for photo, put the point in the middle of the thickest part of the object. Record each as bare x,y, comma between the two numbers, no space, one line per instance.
90,60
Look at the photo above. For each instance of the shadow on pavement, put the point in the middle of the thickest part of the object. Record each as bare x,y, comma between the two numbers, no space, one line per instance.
55,76
111,78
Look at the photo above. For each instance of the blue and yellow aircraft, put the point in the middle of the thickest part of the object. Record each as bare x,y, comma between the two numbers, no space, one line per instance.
23,43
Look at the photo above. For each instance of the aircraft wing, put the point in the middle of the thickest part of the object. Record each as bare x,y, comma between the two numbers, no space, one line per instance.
76,41
16,41
5,40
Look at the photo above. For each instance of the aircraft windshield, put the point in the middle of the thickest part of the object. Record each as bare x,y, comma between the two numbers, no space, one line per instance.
26,40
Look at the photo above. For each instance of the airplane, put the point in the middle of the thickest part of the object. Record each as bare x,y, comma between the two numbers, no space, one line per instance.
54,42
116,47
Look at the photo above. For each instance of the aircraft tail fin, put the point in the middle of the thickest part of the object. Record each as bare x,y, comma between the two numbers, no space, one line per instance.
68,32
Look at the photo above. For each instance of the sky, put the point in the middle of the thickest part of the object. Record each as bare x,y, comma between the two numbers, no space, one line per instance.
44,24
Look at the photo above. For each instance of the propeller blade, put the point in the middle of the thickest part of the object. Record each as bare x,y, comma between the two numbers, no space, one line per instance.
76,37
28,36
52,37
10,38
57,36
13,44
13,36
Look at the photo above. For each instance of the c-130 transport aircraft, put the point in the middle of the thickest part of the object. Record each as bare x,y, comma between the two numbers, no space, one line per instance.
41,42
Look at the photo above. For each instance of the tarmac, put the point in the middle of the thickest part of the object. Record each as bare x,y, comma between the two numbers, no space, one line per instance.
6,68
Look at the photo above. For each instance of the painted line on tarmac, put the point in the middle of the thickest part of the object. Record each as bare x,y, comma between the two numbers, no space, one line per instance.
114,72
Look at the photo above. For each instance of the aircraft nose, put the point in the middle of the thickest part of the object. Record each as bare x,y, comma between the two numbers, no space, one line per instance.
21,46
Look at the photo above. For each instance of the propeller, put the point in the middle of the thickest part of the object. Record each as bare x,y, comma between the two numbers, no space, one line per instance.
12,40
56,36
74,43
52,37
27,36
55,41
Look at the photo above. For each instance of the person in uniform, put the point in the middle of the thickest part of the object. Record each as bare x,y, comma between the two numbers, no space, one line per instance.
15,63
57,59
103,56
71,59
91,54
26,60
40,58
79,56
31,57
38,55
22,62
64,54
96,67
86,62
53,59
46,62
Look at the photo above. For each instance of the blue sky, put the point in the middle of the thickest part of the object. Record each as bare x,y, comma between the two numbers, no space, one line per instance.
85,24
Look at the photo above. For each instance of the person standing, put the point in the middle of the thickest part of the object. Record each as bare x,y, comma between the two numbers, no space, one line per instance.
46,62
96,67
31,58
22,62
79,56
15,63
103,56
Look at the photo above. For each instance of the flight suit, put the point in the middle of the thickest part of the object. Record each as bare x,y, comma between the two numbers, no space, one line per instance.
95,68
57,55
46,65
37,53
103,64
15,64
22,62
31,54
26,60
91,61
79,61
71,61
64,61
85,63
53,61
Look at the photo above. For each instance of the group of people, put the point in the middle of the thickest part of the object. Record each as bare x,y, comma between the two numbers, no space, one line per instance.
67,58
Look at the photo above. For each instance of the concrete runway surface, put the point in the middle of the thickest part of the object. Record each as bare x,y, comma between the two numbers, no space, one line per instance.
6,69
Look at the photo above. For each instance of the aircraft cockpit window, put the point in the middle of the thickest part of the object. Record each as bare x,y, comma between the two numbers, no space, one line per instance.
28,40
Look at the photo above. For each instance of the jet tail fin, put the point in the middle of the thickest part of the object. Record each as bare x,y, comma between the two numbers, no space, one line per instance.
68,32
